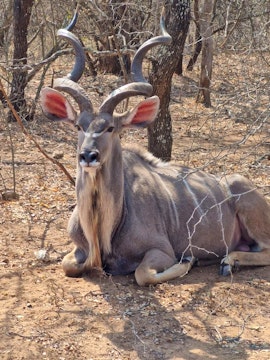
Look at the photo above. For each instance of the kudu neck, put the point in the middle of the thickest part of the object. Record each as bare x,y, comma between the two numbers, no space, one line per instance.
100,198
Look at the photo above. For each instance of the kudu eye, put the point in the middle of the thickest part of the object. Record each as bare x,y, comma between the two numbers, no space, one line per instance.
110,129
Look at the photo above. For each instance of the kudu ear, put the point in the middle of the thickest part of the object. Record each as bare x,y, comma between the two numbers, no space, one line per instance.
143,114
56,107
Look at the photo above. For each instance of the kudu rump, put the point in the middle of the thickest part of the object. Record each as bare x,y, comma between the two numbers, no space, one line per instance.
138,214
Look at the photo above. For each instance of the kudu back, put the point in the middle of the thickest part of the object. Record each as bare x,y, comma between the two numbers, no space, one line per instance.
135,213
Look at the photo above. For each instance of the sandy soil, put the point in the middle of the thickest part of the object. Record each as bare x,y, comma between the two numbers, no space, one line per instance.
45,315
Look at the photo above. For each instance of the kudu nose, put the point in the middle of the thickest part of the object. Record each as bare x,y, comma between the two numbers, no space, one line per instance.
89,157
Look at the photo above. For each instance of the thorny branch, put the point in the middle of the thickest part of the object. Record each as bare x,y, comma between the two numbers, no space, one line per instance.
219,338
204,214
135,332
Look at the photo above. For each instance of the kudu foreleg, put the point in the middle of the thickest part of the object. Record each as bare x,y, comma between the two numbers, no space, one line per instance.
158,267
76,262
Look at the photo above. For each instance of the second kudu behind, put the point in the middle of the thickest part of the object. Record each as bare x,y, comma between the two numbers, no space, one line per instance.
135,213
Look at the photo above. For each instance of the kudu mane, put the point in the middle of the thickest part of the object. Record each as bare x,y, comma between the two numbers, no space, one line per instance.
147,156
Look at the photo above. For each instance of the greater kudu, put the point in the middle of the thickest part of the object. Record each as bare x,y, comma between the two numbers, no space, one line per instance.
137,213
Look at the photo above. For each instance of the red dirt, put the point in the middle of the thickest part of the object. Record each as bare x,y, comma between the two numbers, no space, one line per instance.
45,315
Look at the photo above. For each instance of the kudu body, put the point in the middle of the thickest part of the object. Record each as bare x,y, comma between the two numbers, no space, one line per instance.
135,213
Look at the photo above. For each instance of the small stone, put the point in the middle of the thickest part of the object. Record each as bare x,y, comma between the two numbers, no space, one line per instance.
58,155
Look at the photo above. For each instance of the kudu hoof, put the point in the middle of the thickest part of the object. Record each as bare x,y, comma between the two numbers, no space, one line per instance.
190,259
74,263
72,270
227,269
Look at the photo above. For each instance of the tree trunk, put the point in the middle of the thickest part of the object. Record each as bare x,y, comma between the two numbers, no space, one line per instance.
198,38
177,23
207,53
21,17
5,22
114,29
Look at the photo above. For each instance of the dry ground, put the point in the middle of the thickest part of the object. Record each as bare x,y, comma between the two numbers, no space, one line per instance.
45,315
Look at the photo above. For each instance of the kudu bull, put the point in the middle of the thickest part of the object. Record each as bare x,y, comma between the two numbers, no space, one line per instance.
135,213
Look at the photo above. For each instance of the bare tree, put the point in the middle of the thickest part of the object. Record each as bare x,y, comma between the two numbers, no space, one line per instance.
21,17
117,25
197,38
5,24
5,20
207,53
167,60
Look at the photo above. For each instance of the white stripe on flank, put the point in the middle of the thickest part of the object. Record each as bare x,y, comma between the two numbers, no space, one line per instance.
172,202
195,200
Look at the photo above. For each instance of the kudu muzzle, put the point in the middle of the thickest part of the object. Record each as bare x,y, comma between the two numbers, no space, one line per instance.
88,158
